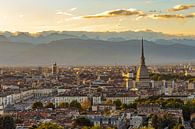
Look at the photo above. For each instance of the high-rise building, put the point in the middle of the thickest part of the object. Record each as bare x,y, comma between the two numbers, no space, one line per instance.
142,72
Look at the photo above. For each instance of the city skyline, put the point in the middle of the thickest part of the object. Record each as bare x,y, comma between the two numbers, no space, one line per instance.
171,17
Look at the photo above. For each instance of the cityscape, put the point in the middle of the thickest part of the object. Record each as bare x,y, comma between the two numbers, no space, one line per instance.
71,75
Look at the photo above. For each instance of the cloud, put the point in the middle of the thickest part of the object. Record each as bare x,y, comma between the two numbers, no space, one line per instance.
63,13
116,13
73,9
171,16
139,14
180,7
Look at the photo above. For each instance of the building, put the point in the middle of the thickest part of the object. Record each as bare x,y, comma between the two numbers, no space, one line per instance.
126,99
135,122
145,109
54,68
69,99
103,107
142,72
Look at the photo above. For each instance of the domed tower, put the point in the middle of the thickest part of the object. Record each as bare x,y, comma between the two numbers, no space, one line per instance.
142,72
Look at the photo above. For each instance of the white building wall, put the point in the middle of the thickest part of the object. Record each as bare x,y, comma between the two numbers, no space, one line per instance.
69,99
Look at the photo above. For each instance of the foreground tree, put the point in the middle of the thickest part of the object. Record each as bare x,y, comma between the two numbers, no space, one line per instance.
147,128
155,121
163,121
49,125
7,122
179,126
96,127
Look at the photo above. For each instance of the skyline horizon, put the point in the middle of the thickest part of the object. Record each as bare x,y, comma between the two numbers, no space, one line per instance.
36,33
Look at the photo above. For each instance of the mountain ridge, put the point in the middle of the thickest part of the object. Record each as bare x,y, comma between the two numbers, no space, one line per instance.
92,52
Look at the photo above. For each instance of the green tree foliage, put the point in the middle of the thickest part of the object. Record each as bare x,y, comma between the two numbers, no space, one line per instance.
179,126
155,121
63,105
187,108
169,77
147,127
118,103
50,105
49,125
95,127
33,127
37,105
75,104
82,122
163,121
132,105
173,103
7,122
124,106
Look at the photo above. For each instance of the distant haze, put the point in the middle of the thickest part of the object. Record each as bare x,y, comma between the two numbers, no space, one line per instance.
94,48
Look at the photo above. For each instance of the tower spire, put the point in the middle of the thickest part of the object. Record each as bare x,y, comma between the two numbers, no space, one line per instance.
142,72
142,55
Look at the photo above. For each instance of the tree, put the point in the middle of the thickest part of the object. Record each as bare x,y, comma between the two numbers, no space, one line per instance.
75,104
49,125
147,128
37,105
33,127
124,106
86,127
82,121
188,108
7,122
118,103
96,127
155,121
18,121
108,101
50,105
132,105
107,111
163,121
86,104
179,126
63,105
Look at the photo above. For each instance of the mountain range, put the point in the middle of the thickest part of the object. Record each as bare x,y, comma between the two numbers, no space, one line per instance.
49,36
72,50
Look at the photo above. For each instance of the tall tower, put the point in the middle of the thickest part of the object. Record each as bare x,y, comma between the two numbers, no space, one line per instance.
54,68
142,72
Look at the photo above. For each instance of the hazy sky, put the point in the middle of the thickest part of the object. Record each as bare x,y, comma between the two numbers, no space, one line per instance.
168,16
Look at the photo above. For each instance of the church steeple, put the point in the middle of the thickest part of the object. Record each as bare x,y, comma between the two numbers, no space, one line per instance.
142,54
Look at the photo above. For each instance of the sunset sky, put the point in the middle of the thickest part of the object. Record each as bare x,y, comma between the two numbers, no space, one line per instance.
167,16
